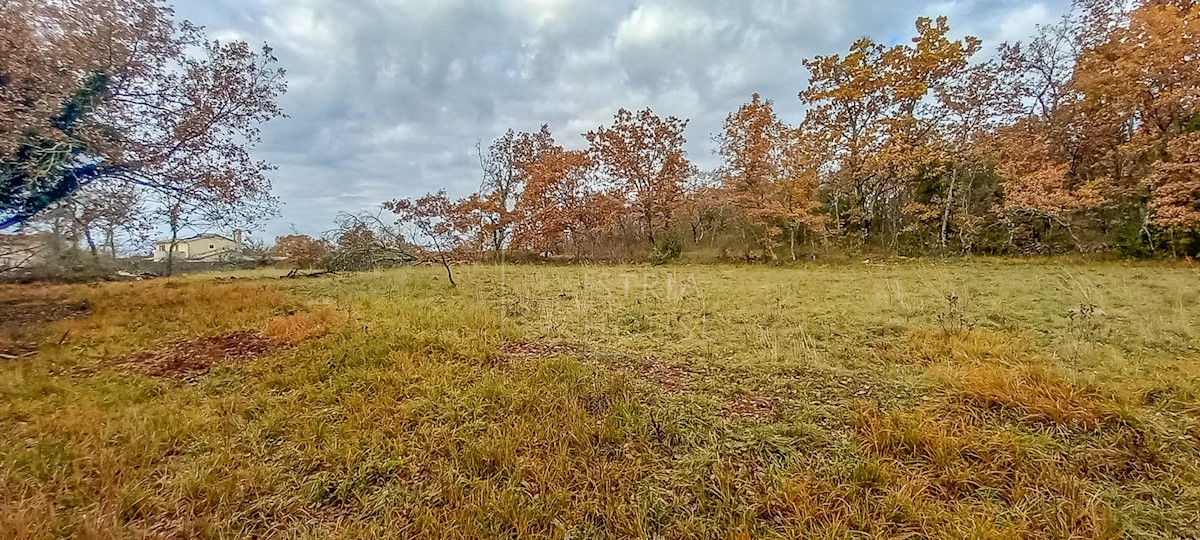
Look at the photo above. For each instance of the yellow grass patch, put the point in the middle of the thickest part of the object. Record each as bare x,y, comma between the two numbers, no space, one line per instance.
142,313
933,345
305,325
943,471
1042,394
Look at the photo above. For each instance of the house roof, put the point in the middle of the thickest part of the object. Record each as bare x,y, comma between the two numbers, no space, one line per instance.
197,237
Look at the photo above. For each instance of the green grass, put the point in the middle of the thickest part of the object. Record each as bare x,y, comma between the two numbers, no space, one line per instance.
1053,399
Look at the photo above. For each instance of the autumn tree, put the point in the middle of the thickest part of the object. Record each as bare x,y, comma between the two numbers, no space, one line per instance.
443,224
705,207
505,168
1110,92
795,196
554,208
301,250
644,154
866,106
957,192
1143,83
753,146
118,92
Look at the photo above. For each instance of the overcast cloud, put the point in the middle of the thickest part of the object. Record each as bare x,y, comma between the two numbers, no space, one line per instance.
388,97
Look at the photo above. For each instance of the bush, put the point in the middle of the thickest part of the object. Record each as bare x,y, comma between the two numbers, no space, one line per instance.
667,249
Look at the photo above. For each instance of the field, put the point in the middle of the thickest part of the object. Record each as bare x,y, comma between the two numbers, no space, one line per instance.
952,399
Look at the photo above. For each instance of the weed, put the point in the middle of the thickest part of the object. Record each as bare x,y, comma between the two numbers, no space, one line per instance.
952,319
1084,323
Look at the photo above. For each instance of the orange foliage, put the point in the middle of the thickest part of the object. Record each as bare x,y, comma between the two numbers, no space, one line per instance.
644,154
301,250
766,173
555,202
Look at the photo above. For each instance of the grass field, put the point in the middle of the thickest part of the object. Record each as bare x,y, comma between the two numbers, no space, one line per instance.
960,399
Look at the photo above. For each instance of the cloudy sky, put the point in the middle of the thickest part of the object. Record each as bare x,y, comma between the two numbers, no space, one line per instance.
387,98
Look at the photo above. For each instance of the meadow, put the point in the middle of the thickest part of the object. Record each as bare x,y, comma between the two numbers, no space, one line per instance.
972,398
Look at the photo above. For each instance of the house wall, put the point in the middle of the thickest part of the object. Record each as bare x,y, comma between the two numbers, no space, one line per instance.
211,248
197,248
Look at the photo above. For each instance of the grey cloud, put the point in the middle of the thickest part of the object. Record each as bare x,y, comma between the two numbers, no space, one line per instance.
388,97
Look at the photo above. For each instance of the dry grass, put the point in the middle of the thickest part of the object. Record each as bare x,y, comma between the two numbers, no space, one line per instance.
305,325
1038,394
613,402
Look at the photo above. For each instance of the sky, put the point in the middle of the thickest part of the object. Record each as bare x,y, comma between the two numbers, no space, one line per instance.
388,98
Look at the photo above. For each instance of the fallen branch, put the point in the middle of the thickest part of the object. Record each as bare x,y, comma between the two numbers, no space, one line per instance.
297,274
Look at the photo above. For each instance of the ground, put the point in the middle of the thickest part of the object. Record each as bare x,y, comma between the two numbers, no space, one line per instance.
950,399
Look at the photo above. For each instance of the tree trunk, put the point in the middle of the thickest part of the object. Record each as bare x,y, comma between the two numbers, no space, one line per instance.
87,235
110,241
174,240
946,207
449,274
792,241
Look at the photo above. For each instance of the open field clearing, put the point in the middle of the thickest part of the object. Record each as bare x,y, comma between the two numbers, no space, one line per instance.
961,399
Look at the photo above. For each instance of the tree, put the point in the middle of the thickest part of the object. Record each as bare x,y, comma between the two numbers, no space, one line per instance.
753,146
363,241
704,206
644,154
1142,83
794,196
867,108
1037,182
444,224
1113,92
116,92
505,174
554,205
971,104
302,250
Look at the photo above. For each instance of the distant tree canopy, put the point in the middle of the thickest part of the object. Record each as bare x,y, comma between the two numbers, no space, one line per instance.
301,250
117,92
1084,138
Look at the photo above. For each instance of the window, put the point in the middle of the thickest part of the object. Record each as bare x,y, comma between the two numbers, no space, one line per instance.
210,246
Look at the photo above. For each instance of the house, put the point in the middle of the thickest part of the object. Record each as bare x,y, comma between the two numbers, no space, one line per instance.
202,248
22,250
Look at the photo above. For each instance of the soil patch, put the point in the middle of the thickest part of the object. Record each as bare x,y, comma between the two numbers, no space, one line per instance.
20,315
23,321
674,378
189,359
533,349
750,406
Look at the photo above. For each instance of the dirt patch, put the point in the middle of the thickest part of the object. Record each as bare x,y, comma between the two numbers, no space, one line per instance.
673,378
23,321
23,314
533,349
189,359
750,407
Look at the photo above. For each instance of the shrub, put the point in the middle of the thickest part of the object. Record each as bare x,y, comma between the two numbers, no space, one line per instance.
667,249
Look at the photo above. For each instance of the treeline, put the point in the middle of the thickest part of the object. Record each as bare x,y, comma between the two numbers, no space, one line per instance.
1085,138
